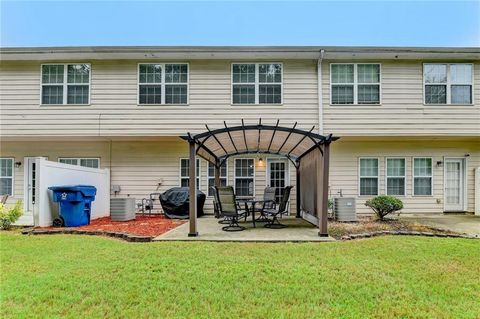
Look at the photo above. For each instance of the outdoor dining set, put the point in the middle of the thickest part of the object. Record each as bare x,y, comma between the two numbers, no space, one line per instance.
231,210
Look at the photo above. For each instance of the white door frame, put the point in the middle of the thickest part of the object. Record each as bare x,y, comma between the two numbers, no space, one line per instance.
287,169
463,175
26,184
29,207
287,172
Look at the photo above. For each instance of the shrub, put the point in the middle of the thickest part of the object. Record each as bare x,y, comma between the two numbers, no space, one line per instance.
383,205
330,203
10,215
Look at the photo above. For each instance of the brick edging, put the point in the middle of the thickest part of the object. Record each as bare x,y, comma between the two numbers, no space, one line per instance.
119,235
404,232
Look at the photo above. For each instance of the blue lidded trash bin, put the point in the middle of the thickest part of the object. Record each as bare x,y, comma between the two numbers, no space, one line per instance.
75,204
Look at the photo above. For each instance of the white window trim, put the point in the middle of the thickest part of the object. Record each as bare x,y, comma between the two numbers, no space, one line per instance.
404,176
413,176
163,84
13,174
213,177
448,84
244,177
257,84
199,165
465,183
355,84
79,159
269,160
360,177
65,84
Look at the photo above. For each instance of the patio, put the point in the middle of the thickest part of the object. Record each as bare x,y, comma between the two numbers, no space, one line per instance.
307,151
298,230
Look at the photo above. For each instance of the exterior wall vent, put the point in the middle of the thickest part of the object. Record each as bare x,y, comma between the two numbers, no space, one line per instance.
345,209
122,209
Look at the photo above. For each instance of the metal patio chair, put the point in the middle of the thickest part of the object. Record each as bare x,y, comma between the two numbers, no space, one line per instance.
282,209
268,203
216,209
228,208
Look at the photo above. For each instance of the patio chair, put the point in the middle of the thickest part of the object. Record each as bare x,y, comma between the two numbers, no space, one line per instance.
269,197
282,209
216,209
228,207
268,202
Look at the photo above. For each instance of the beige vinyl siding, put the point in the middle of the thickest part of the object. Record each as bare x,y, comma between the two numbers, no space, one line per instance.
51,150
114,111
402,112
136,166
344,169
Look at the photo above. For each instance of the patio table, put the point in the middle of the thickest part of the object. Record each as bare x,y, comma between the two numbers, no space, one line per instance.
252,209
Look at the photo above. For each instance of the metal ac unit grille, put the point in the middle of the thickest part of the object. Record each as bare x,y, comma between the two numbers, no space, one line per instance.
122,209
345,209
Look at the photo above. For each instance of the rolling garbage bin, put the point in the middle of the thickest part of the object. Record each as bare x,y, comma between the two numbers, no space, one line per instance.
75,204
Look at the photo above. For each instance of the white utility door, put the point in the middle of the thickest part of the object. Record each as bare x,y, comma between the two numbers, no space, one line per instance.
277,176
454,184
29,184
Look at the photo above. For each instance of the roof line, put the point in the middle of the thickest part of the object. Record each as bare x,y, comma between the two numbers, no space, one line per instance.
285,48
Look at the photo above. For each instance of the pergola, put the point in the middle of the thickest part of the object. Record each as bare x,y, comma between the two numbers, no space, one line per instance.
308,151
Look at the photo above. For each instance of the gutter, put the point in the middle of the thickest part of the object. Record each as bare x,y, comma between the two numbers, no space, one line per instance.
320,92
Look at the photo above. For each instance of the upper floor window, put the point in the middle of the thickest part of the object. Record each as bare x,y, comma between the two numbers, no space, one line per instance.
6,176
82,161
448,83
163,83
65,84
355,83
257,83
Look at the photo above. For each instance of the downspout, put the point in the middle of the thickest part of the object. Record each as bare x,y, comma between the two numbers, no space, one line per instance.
320,93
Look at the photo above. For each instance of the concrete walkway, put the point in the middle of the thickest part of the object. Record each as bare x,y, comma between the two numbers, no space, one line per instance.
209,229
468,224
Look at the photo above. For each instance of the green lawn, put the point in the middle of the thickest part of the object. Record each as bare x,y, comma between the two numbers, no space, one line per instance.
94,277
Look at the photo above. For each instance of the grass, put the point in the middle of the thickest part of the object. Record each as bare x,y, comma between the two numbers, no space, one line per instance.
93,277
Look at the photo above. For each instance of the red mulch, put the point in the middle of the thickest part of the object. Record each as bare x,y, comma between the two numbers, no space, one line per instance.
142,225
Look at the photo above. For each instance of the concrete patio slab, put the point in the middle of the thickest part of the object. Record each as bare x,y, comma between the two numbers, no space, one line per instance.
460,223
209,229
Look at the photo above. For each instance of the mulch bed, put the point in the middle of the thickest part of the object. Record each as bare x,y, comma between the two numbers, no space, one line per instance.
145,226
368,227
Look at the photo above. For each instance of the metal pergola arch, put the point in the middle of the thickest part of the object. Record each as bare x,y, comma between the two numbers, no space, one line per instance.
217,145
294,153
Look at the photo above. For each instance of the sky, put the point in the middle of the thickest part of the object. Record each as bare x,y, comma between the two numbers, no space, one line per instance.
322,23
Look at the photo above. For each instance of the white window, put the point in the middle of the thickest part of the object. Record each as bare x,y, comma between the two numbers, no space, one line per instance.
184,172
91,162
163,83
245,177
257,83
368,174
422,176
448,83
211,176
355,83
395,176
6,176
65,84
